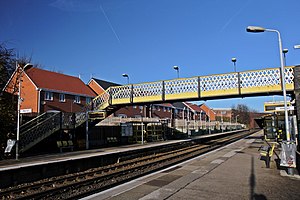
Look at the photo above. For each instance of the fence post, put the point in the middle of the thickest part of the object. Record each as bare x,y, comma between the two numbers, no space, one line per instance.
163,95
239,83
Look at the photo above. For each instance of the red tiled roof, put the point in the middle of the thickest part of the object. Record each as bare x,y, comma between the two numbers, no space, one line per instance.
165,104
194,107
59,82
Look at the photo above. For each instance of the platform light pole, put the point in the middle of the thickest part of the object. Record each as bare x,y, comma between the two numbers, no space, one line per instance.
257,29
288,146
233,60
209,131
21,71
177,69
284,51
236,121
126,76
201,119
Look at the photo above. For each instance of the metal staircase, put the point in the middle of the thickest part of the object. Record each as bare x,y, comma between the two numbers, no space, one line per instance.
38,129
44,125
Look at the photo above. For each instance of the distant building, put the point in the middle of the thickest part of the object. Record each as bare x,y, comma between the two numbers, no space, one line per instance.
43,90
210,114
99,86
223,114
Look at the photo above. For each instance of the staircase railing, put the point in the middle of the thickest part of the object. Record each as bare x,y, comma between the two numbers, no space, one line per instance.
38,129
102,101
73,120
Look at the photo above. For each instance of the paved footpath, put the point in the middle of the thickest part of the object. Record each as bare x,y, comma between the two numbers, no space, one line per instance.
233,172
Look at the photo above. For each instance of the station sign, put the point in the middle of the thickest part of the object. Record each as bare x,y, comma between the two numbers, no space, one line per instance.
282,108
28,110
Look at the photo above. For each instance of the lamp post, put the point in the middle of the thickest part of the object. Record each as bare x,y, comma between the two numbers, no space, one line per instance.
257,29
209,131
142,122
201,119
126,76
21,70
222,122
284,51
177,69
236,121
234,63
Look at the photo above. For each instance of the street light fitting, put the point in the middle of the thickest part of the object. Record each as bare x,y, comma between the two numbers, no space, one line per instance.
255,29
177,69
297,46
234,61
126,76
285,50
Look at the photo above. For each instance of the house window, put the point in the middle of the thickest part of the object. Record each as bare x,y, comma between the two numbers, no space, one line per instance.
49,96
62,98
88,100
77,99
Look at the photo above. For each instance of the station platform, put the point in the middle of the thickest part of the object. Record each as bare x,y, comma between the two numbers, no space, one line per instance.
75,155
232,172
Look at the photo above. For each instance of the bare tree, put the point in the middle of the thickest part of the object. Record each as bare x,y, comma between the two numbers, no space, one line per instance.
242,112
8,102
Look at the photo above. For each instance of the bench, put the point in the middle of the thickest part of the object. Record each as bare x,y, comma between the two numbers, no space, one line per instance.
112,139
65,145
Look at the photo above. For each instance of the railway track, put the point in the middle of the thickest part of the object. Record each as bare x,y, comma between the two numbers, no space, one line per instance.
77,185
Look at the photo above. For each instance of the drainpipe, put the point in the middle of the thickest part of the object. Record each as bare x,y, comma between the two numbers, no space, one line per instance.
39,101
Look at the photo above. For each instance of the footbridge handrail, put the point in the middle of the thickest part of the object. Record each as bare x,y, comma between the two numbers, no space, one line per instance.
247,83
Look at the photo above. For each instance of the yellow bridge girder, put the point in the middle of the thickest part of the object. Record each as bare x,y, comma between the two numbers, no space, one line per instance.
247,83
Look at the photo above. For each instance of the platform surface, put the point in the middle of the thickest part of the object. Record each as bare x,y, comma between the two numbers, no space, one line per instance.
233,172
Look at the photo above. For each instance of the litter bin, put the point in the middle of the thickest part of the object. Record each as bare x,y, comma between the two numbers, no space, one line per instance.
288,156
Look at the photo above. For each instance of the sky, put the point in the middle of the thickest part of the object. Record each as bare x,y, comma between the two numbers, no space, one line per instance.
146,38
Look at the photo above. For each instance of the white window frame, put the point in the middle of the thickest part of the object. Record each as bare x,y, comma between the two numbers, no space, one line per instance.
62,97
76,99
48,96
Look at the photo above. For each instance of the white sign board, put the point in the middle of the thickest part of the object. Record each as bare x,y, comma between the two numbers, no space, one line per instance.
282,108
28,110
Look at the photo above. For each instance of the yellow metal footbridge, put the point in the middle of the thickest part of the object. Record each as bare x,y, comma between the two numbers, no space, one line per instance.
220,86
